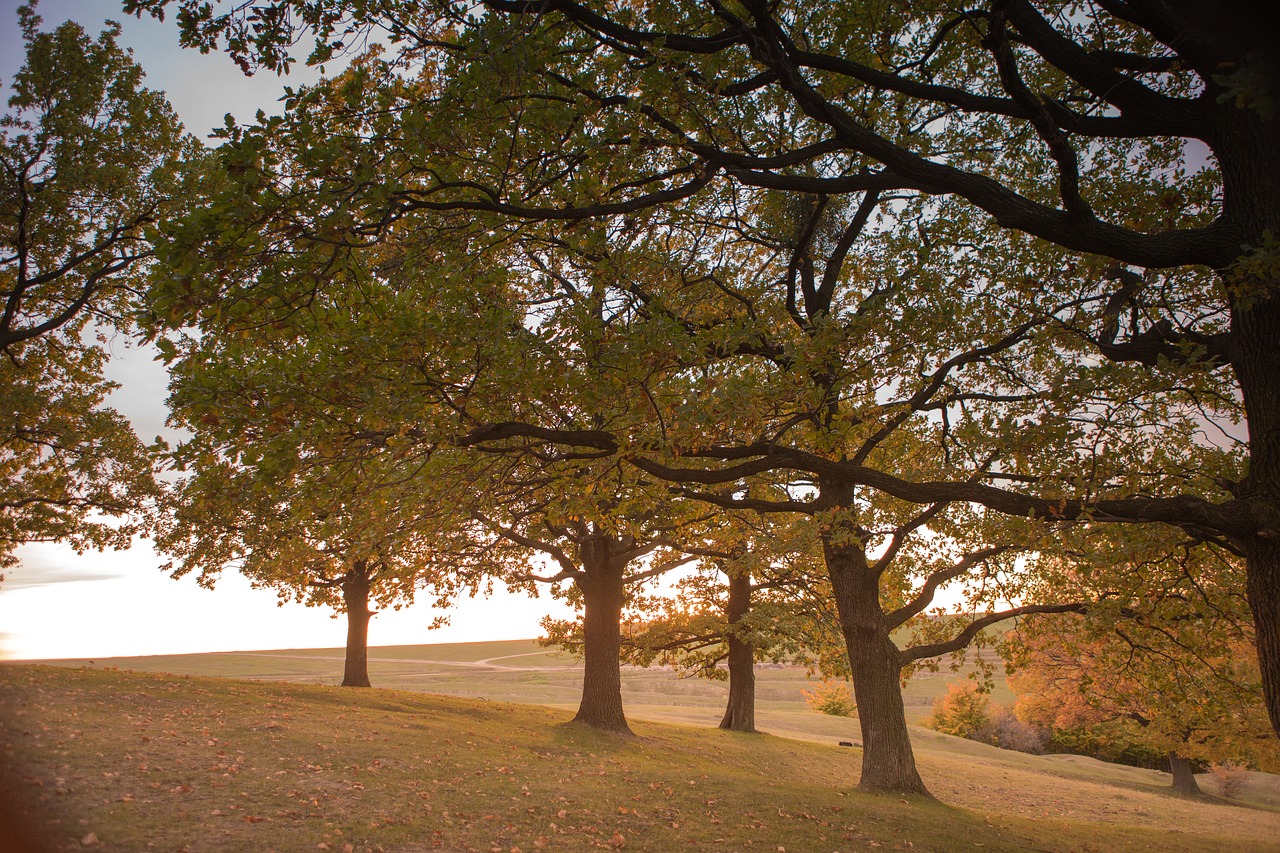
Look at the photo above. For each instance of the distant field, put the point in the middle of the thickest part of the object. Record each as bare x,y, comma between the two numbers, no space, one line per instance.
138,761
518,671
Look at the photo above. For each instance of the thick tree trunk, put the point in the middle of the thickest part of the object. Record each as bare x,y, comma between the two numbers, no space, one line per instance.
602,597
1256,358
1263,565
740,713
1246,149
355,597
888,763
1184,779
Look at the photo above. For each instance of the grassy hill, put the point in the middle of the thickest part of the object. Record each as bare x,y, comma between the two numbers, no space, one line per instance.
517,671
149,761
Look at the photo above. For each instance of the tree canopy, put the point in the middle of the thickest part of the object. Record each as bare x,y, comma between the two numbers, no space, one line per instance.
88,165
898,263
1165,660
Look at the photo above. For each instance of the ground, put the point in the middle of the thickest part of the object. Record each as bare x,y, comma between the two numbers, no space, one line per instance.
138,760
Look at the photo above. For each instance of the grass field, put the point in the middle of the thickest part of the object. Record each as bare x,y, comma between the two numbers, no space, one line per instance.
515,671
141,760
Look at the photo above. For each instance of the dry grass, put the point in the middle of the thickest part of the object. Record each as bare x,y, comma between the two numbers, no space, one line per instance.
154,762
513,671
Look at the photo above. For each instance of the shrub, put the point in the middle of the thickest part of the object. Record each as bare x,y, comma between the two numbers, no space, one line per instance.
1114,741
1006,731
1229,778
963,712
831,697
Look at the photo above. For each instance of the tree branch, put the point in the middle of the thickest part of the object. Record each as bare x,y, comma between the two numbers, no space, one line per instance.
570,568
965,637
936,579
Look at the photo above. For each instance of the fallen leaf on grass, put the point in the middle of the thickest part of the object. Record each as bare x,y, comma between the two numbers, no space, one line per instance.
90,840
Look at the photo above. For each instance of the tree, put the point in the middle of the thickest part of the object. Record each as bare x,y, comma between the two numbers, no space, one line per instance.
88,159
334,536
758,594
298,404
1165,660
1066,123
599,532
964,711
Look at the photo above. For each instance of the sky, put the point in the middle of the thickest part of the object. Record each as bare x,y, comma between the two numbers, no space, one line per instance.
58,604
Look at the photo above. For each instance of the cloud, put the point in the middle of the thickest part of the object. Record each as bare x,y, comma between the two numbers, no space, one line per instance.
24,577
45,564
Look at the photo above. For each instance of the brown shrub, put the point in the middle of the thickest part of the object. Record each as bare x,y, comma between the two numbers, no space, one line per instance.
1229,778
1006,731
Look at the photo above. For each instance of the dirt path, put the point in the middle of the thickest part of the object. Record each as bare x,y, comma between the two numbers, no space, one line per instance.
473,664
508,657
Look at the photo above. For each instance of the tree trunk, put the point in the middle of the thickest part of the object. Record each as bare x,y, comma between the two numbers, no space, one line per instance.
602,597
355,597
1262,563
888,763
1251,203
1184,780
740,713
1256,359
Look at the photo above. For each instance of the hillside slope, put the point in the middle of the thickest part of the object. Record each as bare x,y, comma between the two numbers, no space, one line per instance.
139,761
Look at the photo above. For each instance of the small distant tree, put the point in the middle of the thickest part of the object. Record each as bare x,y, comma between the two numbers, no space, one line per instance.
88,160
322,537
832,698
296,470
759,593
595,537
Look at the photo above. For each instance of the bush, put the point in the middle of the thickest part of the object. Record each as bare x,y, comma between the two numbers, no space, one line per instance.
1229,778
831,697
1113,741
963,712
1006,731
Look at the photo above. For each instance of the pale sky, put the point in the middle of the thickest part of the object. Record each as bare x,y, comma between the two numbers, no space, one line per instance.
59,604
